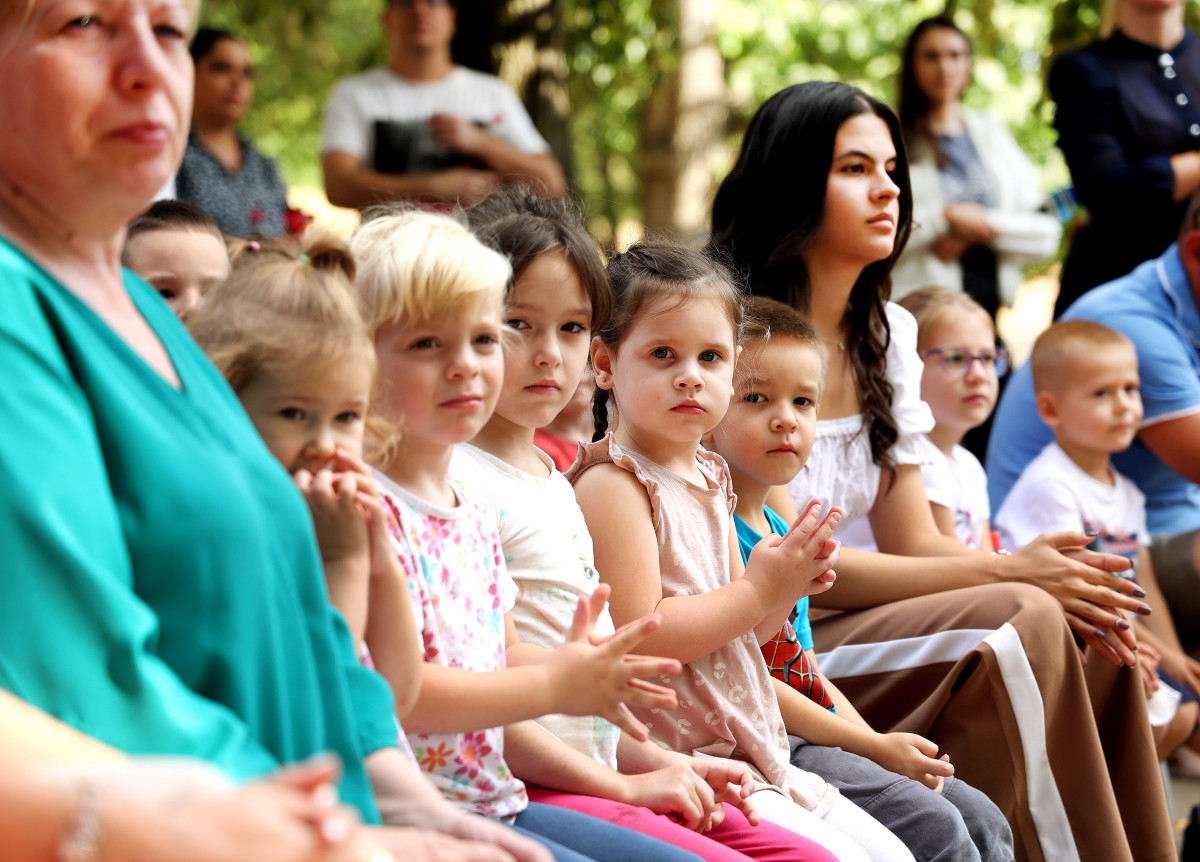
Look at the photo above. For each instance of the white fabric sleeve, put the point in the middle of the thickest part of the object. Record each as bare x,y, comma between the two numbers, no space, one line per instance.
346,128
914,419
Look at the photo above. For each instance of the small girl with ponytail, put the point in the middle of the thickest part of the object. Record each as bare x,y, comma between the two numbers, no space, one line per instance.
659,510
286,332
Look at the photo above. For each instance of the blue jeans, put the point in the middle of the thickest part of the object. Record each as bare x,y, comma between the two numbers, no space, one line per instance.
959,825
575,837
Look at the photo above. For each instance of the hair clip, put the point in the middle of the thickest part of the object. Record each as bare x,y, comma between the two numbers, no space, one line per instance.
254,246
304,259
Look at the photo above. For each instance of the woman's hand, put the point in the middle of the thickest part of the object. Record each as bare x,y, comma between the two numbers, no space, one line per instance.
969,222
1092,597
913,756
292,816
598,676
1148,662
800,563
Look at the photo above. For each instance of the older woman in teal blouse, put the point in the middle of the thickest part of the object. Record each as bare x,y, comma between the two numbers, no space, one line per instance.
161,585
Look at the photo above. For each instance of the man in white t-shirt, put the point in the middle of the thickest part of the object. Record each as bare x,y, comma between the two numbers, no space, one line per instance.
425,129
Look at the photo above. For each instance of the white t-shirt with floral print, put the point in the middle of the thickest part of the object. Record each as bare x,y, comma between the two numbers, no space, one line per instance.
460,591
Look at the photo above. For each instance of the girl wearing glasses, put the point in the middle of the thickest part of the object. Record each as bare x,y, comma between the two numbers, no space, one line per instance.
936,639
963,366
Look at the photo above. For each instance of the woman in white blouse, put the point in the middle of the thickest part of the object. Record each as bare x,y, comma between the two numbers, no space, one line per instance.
936,639
975,195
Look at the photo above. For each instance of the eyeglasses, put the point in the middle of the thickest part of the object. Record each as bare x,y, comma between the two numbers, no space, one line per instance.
957,361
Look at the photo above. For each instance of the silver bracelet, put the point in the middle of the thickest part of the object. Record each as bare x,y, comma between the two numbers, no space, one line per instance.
81,843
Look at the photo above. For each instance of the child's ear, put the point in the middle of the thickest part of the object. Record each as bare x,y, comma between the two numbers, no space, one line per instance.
602,363
1047,408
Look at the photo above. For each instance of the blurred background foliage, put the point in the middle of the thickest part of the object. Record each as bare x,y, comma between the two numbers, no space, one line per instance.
594,70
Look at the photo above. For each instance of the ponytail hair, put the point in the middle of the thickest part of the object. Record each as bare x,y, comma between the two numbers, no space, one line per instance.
646,276
288,303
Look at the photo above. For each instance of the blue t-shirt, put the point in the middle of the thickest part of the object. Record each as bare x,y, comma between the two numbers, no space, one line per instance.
1152,306
747,539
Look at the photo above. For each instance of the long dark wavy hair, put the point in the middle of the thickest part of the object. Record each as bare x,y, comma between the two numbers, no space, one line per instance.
914,104
769,210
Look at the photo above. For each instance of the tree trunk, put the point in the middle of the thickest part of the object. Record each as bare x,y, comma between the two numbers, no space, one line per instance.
684,123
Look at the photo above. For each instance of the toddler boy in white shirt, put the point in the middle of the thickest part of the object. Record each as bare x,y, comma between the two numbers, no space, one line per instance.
1086,379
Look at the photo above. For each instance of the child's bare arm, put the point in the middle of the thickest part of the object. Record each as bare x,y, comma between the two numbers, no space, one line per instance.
903,753
579,678
618,516
845,709
536,755
342,537
391,627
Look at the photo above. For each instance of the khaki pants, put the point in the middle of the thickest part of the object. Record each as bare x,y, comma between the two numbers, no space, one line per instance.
993,676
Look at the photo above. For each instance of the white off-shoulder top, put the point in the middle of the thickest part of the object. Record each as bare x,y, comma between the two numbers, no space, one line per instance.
840,471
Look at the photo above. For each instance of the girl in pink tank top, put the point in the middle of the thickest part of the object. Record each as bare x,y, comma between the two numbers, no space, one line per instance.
659,510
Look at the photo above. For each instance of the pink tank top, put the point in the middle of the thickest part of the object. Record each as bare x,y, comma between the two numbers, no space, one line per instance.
727,706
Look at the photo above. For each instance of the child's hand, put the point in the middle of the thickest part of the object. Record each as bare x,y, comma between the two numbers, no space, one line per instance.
333,499
913,756
800,563
1182,668
731,782
676,791
593,676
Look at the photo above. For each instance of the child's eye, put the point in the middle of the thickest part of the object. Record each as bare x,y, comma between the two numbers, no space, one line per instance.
166,293
710,356
1131,388
853,168
487,339
294,414
424,344
83,22
516,323
573,328
803,402
348,417
755,398
661,353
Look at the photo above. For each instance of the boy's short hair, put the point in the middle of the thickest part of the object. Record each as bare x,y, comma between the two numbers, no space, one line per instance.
1056,348
171,215
767,318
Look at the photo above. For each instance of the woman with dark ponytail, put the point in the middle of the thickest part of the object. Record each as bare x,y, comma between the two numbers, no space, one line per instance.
816,211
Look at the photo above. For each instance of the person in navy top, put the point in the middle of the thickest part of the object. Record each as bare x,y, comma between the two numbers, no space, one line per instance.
1128,123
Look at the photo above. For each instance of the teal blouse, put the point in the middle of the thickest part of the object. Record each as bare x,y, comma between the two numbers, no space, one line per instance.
160,583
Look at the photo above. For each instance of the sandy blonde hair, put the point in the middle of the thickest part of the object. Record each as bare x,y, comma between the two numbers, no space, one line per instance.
286,305
1059,349
931,305
414,266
